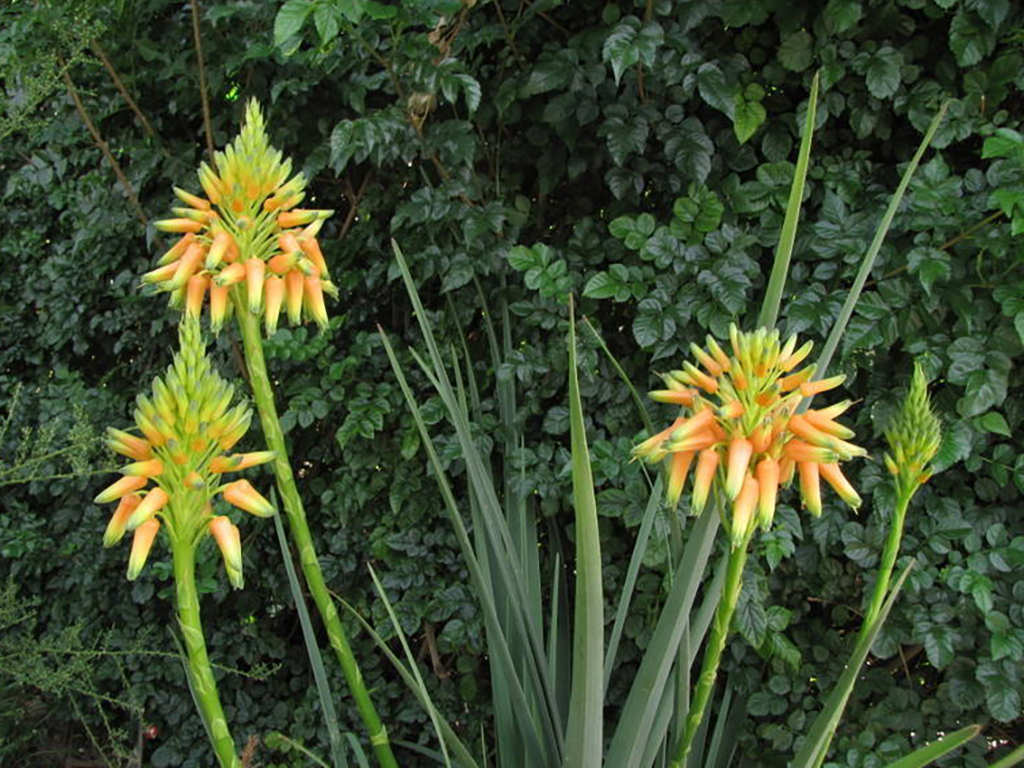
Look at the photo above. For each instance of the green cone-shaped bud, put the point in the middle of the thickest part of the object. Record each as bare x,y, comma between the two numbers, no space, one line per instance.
914,436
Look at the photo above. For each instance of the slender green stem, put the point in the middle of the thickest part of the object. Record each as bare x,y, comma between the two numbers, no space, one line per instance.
713,651
204,686
264,396
888,562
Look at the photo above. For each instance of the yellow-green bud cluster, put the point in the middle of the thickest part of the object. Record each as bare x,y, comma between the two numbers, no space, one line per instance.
914,437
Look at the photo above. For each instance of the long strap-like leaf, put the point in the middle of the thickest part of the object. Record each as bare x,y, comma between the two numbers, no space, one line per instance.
586,703
636,723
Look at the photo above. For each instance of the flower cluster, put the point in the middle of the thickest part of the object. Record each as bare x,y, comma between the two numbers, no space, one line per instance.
247,234
187,426
914,437
741,427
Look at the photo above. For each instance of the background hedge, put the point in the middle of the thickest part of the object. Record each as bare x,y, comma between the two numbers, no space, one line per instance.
637,155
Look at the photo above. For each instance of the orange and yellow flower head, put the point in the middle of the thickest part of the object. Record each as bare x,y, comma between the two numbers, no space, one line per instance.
740,431
188,427
247,238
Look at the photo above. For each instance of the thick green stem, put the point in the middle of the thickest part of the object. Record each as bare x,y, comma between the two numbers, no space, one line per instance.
204,687
264,396
892,548
713,651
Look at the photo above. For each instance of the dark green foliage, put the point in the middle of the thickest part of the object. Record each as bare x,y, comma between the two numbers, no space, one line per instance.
636,155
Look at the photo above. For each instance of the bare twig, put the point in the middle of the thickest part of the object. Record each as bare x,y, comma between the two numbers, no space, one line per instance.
202,78
129,191
120,86
353,198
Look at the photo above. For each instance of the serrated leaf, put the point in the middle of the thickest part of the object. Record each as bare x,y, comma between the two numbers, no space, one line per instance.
796,52
938,645
993,421
715,89
841,15
747,118
625,137
289,19
620,48
985,389
691,150
326,22
547,75
970,39
883,72
1003,701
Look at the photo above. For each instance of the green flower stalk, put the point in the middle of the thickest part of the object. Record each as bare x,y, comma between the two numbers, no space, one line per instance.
187,425
256,254
914,437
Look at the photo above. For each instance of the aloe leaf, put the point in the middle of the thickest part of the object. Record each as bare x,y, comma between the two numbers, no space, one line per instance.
1016,756
632,571
787,236
410,659
586,703
932,752
312,648
636,726
461,753
876,245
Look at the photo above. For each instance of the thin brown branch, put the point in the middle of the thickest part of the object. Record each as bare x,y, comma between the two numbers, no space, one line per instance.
120,86
202,78
353,198
129,191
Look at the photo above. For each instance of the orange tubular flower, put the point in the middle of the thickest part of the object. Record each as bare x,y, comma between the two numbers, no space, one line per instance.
740,420
188,423
234,233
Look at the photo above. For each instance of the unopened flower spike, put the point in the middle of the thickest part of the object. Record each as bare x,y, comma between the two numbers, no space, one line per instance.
177,466
914,437
246,238
740,430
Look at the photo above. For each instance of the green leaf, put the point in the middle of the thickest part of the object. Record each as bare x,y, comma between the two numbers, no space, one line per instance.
289,20
883,72
1002,700
970,38
715,89
549,74
605,285
747,118
691,150
985,389
648,41
928,754
625,137
326,22
842,15
938,644
583,736
994,421
620,48
796,52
